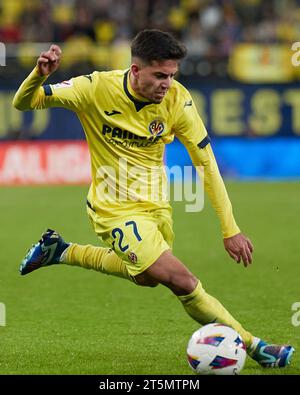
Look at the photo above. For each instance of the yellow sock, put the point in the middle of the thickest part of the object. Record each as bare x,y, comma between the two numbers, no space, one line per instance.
101,259
205,309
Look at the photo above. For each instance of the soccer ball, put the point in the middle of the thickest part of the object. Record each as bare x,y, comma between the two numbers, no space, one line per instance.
216,349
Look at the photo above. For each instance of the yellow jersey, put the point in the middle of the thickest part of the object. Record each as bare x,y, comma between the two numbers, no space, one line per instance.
127,135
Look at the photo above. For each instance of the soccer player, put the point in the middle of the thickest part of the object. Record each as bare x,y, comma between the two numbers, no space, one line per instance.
128,117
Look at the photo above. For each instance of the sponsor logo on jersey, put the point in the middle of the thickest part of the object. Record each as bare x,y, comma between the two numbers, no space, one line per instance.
118,136
156,127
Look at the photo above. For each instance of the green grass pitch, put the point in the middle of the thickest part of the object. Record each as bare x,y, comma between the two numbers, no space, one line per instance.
64,320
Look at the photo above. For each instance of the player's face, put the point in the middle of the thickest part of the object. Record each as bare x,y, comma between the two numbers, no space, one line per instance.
153,81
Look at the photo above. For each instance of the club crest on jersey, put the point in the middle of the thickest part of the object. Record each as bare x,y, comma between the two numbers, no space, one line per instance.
132,257
156,127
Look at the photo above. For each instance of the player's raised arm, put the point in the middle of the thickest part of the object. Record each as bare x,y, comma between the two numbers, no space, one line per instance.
29,96
74,94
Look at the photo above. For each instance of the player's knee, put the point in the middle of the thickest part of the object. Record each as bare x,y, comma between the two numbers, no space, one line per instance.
145,281
151,284
169,271
182,285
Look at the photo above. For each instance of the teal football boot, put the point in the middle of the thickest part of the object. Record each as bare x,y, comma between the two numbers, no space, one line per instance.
46,252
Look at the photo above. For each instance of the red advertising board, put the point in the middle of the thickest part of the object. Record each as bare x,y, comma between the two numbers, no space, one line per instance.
26,163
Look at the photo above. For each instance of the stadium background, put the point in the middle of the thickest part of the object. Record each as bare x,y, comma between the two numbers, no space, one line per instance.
239,70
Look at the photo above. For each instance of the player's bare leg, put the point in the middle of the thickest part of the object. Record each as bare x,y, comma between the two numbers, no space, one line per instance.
204,308
169,271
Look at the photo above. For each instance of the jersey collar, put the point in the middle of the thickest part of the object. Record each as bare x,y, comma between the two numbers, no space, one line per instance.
137,103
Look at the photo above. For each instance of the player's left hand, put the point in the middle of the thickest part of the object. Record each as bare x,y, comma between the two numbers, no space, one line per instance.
48,61
239,247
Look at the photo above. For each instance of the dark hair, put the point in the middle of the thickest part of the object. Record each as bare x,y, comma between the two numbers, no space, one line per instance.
153,44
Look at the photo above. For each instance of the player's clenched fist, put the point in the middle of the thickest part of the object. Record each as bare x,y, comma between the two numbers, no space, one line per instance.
48,61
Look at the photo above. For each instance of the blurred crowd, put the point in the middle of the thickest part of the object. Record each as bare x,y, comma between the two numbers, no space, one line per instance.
209,28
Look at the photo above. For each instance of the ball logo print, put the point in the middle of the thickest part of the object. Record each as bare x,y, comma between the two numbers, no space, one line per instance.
216,349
